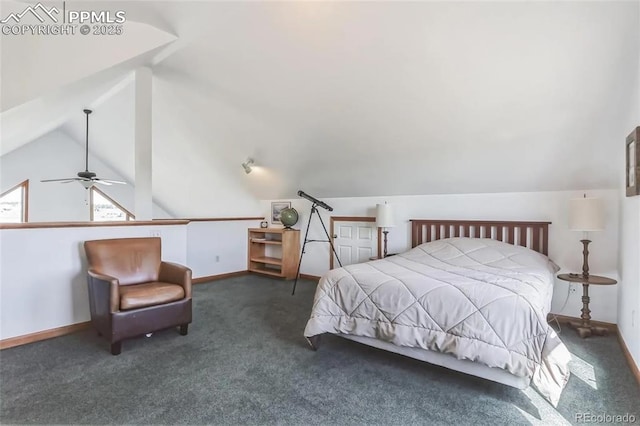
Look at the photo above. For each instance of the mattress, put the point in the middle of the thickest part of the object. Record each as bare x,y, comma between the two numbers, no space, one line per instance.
475,299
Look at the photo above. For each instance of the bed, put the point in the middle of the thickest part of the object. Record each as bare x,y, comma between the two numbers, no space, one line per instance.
471,296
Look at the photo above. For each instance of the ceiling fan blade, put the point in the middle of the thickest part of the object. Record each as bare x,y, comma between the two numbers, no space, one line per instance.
65,180
102,182
119,182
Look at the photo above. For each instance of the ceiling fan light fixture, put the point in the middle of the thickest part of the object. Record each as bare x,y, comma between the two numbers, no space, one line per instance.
86,183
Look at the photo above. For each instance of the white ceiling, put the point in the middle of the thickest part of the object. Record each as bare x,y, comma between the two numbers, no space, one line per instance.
373,98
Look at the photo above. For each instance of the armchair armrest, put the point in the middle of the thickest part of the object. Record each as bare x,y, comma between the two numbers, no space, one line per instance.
176,274
104,291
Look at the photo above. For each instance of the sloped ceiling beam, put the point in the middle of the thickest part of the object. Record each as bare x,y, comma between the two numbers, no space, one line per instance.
143,144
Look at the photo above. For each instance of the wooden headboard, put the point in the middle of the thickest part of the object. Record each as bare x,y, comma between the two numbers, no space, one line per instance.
534,235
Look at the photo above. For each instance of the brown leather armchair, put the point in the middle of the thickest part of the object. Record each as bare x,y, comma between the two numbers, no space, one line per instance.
132,292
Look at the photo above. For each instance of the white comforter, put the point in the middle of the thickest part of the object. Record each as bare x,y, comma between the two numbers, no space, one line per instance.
476,299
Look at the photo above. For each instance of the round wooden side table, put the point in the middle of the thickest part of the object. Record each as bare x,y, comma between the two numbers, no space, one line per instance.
584,327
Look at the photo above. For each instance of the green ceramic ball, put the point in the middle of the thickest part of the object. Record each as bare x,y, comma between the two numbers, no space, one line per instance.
289,217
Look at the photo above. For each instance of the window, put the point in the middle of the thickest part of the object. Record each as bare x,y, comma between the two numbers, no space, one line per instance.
105,208
14,204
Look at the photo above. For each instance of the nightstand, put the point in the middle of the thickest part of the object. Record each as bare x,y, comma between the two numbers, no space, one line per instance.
584,327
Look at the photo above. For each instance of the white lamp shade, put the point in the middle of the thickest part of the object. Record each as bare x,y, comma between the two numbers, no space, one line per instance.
586,214
384,216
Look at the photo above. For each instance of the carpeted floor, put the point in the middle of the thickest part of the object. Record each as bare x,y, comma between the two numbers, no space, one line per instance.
245,362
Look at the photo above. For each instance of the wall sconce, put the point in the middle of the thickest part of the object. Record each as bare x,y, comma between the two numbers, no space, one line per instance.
247,165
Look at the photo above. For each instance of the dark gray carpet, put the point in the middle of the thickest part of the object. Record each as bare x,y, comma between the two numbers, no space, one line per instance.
245,362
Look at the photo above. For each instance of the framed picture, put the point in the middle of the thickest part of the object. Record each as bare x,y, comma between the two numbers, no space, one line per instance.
633,163
276,208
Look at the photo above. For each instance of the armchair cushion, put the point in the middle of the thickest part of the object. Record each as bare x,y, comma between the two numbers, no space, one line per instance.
135,296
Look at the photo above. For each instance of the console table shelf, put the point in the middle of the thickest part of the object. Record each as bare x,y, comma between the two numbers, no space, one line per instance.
267,260
266,271
262,241
274,251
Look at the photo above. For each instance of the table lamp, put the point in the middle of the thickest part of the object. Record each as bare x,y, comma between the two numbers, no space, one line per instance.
384,220
586,214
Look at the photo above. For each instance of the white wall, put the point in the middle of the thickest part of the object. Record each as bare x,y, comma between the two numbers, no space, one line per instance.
55,155
564,245
218,247
43,282
629,288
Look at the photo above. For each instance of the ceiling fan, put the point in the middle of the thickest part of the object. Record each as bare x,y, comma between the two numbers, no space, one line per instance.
86,178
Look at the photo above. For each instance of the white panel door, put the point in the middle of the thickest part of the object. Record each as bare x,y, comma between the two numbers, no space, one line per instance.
355,242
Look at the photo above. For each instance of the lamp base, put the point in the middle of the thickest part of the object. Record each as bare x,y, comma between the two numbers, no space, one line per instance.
385,232
585,258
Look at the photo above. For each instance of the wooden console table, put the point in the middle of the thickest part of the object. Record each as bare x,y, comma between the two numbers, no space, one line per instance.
584,327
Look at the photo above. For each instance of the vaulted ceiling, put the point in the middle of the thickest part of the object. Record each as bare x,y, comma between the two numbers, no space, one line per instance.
344,98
